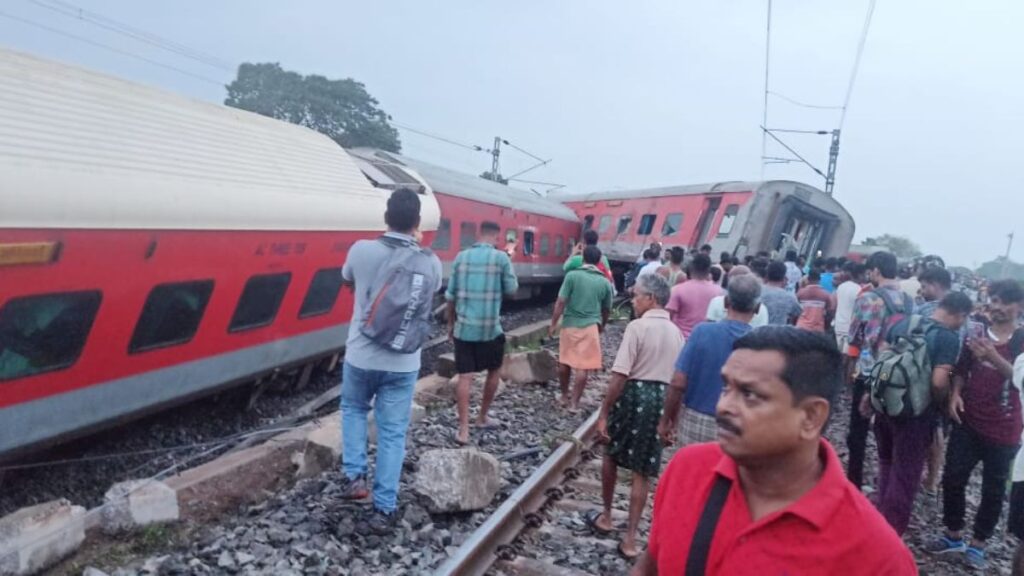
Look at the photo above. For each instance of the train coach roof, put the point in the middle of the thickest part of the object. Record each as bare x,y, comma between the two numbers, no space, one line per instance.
79,149
686,190
445,181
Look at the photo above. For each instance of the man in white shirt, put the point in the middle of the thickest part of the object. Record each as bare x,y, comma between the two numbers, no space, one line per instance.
653,262
716,309
846,297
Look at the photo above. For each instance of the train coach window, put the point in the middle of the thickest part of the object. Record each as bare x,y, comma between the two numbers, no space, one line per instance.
170,315
588,221
323,292
260,301
624,224
44,332
673,223
545,244
728,220
467,234
646,224
559,245
603,225
527,242
443,236
511,236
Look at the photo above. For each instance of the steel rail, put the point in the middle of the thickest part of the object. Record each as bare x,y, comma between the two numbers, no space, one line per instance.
478,553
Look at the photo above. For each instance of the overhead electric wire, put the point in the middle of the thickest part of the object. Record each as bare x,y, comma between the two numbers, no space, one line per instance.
767,61
803,104
110,48
97,19
473,147
856,61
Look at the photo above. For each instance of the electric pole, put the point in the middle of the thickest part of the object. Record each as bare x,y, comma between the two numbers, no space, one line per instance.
833,157
1006,259
495,152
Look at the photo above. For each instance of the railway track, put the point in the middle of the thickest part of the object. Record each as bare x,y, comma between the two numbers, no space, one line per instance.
539,530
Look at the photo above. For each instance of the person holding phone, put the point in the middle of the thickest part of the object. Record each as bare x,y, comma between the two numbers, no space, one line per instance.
985,407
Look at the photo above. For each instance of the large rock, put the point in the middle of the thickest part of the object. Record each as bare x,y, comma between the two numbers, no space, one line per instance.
445,364
35,538
530,367
430,389
322,449
135,503
457,480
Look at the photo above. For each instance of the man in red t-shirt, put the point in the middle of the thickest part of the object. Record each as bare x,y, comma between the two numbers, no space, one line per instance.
817,307
986,408
784,505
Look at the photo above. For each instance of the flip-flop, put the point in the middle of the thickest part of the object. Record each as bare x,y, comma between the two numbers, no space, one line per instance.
455,437
625,556
591,517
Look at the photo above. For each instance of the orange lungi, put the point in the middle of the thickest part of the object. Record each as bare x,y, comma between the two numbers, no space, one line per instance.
580,348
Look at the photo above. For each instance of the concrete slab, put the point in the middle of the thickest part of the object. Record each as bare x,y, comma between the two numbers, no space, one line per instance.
134,503
35,538
527,336
237,478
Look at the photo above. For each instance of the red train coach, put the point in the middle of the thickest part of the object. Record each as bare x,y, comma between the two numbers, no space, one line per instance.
154,249
544,230
737,217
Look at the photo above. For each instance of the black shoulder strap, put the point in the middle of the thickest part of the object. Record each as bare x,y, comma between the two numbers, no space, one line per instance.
1016,343
700,546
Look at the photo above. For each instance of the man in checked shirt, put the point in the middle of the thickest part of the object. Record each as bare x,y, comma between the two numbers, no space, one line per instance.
481,276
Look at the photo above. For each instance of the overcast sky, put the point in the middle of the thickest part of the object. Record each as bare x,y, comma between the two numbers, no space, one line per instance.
633,94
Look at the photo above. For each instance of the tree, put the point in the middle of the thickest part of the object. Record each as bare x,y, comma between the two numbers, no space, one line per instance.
993,269
341,109
900,246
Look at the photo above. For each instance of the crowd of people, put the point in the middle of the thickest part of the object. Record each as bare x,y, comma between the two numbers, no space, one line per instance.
741,364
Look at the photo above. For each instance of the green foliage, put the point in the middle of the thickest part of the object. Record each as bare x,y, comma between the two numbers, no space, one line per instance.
993,270
900,246
341,109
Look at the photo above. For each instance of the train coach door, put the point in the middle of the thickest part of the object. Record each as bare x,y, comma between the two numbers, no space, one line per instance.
707,218
530,251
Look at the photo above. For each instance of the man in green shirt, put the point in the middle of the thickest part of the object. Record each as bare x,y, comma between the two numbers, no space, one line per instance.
583,305
575,260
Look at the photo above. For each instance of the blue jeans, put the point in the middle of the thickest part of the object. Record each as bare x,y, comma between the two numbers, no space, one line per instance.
391,397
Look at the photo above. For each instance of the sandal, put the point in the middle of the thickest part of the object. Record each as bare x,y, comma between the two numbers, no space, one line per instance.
460,443
591,517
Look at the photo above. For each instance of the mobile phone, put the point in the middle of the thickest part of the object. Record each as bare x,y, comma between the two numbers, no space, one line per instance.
975,330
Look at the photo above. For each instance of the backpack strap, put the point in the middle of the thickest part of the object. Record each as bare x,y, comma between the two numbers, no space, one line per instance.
700,546
890,306
1016,344
392,242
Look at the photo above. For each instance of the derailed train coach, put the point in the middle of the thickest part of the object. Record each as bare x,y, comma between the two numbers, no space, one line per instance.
155,249
537,232
737,217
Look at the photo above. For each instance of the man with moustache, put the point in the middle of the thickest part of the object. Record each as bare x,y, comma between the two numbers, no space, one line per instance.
770,496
